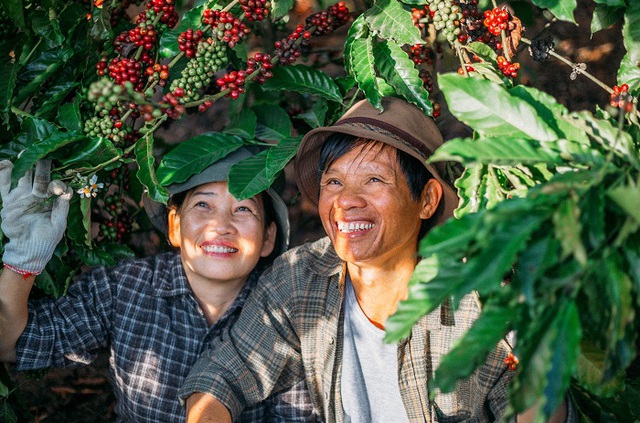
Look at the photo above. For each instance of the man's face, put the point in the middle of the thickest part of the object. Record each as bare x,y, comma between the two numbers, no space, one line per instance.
367,210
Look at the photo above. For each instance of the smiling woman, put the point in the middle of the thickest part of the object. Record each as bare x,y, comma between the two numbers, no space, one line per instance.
155,315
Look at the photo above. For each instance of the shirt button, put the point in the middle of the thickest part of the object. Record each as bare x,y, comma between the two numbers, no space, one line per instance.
332,340
326,395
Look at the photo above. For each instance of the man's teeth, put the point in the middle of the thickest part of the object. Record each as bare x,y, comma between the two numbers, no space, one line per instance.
352,227
218,249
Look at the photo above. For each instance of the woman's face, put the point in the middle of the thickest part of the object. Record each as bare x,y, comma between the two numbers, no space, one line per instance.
220,238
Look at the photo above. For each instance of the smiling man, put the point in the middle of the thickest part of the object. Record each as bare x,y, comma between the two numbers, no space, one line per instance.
319,314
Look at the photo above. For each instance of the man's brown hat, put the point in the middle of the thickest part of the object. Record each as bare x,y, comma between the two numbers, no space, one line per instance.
401,125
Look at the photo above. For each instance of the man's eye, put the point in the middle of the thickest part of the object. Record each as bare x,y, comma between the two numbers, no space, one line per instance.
374,179
331,182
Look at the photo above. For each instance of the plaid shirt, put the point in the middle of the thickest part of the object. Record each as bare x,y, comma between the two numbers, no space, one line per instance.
292,328
144,311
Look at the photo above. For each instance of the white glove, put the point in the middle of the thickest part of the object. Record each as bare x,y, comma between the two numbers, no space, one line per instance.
33,222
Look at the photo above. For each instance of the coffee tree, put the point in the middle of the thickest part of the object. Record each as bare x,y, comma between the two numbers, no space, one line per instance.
547,230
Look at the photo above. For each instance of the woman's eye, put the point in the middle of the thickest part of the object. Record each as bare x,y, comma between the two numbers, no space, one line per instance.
243,209
201,204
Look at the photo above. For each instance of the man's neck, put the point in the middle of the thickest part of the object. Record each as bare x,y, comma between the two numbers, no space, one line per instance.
379,291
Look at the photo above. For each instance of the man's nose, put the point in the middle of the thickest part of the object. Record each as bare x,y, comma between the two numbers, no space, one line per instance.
351,196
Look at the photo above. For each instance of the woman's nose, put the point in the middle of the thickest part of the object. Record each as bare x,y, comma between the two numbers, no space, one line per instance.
222,224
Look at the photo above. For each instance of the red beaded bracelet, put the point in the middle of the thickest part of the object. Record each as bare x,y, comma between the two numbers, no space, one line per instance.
25,273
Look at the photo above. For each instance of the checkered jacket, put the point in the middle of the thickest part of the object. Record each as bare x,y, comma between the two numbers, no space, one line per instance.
291,329
145,313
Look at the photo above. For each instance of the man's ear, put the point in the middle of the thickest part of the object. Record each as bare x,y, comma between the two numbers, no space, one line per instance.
270,240
430,199
173,227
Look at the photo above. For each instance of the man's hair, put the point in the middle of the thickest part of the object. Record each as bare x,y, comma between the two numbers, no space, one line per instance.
417,175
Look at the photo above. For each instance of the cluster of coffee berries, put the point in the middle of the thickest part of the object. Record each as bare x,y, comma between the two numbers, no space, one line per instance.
262,63
106,127
469,69
621,98
227,28
447,16
288,49
144,35
511,361
123,70
429,84
200,70
508,69
234,82
496,20
540,48
159,74
420,16
188,41
328,20
421,53
114,220
255,10
169,17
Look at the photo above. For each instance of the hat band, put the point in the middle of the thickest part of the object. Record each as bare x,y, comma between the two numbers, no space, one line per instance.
374,125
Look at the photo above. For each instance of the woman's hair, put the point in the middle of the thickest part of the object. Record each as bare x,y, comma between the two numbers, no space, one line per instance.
417,175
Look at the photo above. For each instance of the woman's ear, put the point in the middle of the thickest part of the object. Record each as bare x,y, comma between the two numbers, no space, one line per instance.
173,227
430,199
269,242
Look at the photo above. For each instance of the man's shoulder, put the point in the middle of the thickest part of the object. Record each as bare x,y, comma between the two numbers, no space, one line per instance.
317,257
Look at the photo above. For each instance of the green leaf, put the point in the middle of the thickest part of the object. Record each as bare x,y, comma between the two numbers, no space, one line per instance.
8,73
540,255
629,73
628,198
242,124
101,24
53,96
399,71
69,116
16,9
315,116
85,210
357,30
363,69
92,152
607,135
169,40
7,415
568,230
472,349
415,2
495,151
194,155
273,122
303,79
39,70
280,155
46,27
505,115
551,112
604,16
548,358
483,51
561,9
471,189
50,138
391,21
508,227
146,173
249,176
631,31
280,8
76,230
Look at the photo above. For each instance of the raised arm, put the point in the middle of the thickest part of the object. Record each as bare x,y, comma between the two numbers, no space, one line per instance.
34,224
